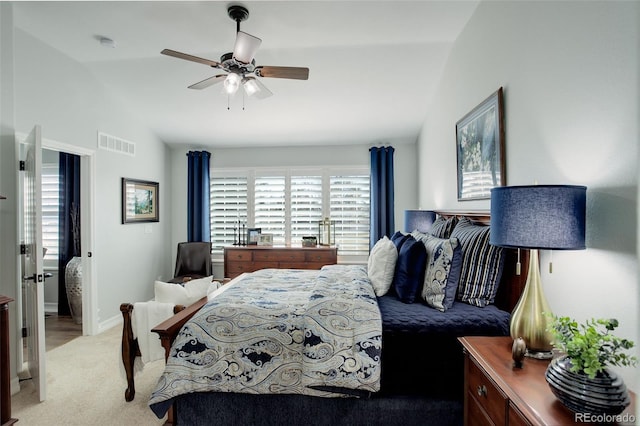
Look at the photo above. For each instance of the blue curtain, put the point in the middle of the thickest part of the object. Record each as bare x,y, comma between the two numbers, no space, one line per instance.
198,213
382,216
69,221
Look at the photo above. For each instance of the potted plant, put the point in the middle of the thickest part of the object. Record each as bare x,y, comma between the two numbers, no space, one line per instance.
580,378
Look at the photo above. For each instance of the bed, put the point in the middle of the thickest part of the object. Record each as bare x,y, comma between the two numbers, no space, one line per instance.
413,375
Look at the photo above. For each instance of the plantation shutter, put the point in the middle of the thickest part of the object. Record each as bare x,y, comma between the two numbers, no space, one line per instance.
349,207
228,203
270,206
306,206
50,208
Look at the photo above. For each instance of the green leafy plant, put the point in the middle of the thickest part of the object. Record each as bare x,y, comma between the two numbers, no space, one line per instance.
591,346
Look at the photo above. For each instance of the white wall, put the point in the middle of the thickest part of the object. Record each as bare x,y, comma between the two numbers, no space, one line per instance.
8,207
349,155
570,77
71,106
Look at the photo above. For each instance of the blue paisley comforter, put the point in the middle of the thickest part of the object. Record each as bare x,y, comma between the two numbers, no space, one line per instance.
280,331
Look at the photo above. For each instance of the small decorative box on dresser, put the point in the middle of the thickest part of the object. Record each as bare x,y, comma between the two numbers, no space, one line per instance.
496,393
238,260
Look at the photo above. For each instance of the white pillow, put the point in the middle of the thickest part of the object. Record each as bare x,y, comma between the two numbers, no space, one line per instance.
186,294
382,265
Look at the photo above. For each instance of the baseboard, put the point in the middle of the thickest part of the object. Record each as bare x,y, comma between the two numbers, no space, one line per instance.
51,307
110,323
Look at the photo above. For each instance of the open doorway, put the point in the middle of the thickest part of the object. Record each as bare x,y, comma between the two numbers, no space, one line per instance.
30,303
60,226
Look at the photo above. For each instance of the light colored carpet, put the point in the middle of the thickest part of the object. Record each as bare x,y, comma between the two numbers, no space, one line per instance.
85,387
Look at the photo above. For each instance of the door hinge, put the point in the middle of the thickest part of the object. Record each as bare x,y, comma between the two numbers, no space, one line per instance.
23,249
22,165
24,332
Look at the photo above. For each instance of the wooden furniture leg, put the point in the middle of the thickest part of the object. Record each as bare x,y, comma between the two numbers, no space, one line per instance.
131,349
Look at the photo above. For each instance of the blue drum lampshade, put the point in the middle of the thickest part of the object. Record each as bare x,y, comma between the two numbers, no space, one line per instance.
420,220
539,217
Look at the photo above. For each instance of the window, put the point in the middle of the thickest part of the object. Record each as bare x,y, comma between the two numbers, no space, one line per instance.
306,206
269,206
349,195
228,208
50,213
288,203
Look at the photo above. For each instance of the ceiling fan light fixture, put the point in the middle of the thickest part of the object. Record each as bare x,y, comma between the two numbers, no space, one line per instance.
250,86
232,83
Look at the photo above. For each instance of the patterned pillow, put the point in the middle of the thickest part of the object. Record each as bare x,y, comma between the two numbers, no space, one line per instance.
481,264
409,275
444,259
442,227
381,265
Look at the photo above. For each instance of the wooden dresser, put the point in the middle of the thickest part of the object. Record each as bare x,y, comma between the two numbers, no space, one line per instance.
5,379
238,260
498,394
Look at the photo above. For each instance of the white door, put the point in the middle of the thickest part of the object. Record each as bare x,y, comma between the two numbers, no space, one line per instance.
32,262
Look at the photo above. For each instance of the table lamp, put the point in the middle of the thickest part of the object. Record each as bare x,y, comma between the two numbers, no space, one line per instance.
547,217
420,220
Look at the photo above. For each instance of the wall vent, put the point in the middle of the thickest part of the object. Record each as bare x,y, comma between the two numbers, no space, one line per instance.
116,144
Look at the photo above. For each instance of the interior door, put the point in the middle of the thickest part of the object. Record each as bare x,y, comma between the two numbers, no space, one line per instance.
32,262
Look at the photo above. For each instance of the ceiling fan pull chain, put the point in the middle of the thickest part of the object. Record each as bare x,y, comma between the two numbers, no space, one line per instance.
228,99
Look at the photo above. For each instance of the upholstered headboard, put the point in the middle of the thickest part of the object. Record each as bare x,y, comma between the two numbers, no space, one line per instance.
511,285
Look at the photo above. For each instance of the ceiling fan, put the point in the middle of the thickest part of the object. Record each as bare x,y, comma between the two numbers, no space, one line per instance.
240,66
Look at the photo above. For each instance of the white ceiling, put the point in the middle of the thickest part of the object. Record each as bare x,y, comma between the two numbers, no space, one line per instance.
374,65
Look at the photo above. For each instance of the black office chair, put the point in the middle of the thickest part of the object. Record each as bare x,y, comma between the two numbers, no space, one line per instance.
193,260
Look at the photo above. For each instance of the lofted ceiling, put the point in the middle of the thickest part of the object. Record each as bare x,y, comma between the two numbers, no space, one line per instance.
374,65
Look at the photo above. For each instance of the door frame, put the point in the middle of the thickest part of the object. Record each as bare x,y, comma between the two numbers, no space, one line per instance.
87,229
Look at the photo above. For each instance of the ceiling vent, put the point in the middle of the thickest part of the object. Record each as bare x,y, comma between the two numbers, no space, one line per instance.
116,144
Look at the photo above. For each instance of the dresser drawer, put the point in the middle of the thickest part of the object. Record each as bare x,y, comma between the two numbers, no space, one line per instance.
516,418
233,269
275,255
476,416
265,265
241,255
486,394
326,257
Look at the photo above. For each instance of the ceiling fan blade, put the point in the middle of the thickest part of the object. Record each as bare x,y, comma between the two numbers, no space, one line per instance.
246,47
254,88
208,82
295,73
188,57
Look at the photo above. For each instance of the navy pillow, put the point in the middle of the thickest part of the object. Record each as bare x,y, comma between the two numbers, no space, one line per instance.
454,278
410,267
399,238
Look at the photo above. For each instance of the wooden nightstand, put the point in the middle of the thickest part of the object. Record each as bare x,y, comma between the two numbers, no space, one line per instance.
498,394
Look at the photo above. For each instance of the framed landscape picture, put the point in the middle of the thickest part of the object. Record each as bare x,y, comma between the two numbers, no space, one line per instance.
480,149
139,201
265,240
